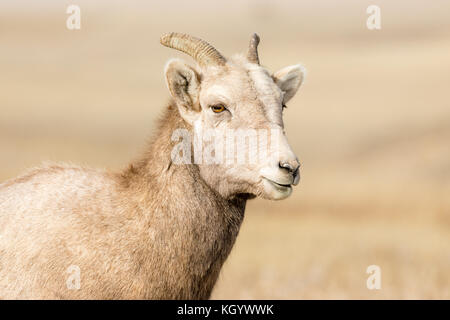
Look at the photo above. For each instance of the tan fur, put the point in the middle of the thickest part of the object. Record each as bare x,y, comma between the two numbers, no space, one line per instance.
153,231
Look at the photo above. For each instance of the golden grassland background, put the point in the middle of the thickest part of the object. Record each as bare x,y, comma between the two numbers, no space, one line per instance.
371,126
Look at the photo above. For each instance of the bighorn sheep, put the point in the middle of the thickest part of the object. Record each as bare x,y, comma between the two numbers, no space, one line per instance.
156,230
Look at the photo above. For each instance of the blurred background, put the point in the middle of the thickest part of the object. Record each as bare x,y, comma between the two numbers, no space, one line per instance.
371,126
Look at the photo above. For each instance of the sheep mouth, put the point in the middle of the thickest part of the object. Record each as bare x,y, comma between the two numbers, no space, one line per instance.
279,185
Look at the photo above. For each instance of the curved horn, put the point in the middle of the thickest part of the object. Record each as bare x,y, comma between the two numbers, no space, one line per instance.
252,54
204,53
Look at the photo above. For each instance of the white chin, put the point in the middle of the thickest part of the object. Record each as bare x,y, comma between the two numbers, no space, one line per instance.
275,191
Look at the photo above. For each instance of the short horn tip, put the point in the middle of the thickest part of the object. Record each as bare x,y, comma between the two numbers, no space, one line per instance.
165,38
255,38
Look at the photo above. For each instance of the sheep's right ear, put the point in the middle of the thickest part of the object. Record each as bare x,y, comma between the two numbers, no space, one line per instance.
289,80
183,83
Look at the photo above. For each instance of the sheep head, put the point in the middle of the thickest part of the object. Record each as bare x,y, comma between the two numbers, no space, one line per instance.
235,97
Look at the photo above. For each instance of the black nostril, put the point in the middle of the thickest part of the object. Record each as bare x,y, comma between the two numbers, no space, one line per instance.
286,165
291,168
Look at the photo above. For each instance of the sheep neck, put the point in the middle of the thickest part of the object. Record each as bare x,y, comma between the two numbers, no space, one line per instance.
192,227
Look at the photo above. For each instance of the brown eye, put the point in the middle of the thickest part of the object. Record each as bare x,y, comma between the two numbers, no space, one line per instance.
218,108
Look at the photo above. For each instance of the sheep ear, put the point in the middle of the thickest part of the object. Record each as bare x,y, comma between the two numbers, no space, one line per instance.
289,80
183,83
